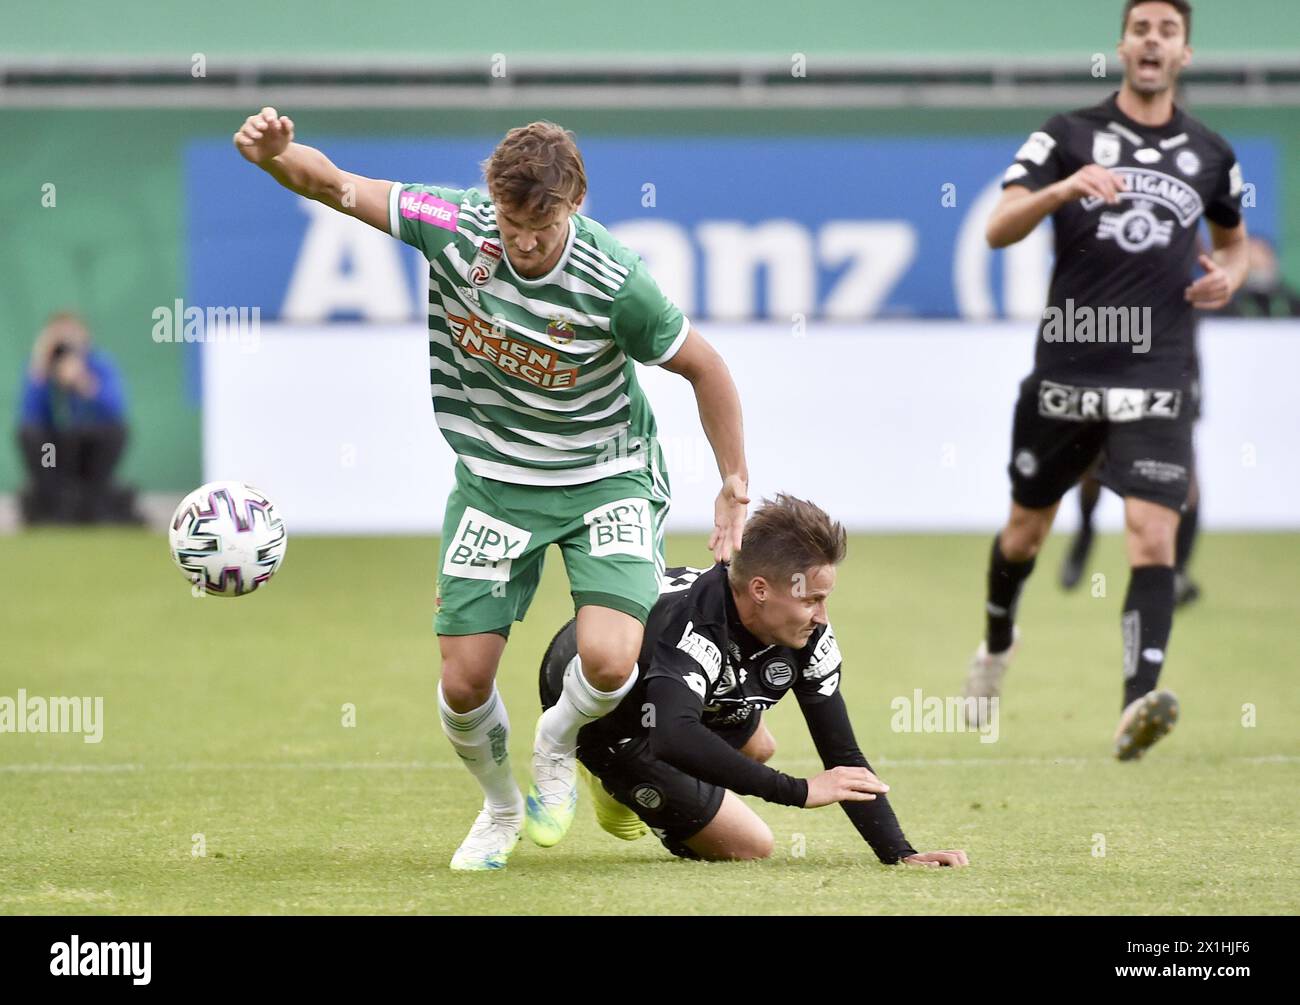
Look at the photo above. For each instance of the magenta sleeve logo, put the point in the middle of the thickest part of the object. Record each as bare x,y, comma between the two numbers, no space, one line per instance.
429,209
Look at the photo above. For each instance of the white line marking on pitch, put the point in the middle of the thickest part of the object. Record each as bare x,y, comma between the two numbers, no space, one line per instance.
909,762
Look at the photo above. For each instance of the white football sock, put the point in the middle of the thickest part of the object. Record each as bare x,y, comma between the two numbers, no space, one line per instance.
480,737
579,704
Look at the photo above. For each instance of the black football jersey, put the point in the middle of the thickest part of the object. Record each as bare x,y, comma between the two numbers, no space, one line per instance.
1137,254
694,635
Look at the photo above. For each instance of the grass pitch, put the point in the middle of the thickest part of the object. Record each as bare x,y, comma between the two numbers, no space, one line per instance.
223,733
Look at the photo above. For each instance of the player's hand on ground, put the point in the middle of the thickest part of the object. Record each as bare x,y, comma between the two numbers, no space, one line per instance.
843,784
1213,290
264,136
729,511
937,859
1092,180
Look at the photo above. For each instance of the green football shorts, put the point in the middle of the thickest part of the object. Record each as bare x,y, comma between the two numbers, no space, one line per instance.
495,535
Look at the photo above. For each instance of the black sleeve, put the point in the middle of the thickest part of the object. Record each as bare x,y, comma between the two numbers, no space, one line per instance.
1224,208
832,733
680,738
1038,162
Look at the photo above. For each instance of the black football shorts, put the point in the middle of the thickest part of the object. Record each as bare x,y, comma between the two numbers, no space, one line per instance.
1142,435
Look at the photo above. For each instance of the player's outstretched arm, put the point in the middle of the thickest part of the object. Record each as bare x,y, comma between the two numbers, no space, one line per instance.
266,139
719,404
1020,210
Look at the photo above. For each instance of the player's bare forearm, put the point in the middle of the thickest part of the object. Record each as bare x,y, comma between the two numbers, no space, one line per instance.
309,173
720,416
718,402
1231,252
1019,212
1225,270
719,406
266,139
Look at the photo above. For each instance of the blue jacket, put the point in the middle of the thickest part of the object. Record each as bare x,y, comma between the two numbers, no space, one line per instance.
46,404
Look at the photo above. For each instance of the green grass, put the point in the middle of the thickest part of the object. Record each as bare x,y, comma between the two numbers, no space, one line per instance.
223,718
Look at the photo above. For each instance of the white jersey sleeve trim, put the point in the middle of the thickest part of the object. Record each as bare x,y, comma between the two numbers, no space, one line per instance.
394,227
677,344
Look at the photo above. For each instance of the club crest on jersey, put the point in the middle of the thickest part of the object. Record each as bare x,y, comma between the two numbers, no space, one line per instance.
1105,149
648,797
1136,229
560,332
778,672
485,263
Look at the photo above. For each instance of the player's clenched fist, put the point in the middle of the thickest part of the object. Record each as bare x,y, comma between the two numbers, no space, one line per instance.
264,136
843,785
1092,180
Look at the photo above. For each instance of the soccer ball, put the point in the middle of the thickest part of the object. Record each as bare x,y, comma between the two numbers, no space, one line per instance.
227,538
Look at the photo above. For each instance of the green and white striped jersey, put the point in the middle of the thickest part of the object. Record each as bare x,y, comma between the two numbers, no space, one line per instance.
533,379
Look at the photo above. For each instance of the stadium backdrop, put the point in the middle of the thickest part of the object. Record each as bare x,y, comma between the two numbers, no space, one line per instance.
135,234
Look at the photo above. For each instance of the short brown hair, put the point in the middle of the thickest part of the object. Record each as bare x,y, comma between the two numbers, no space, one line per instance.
786,536
1183,7
536,168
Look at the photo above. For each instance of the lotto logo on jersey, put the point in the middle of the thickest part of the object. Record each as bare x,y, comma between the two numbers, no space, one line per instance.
540,367
484,547
621,528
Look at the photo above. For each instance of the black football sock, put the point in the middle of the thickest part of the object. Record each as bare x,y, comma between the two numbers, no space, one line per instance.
1089,493
1186,537
1148,614
1006,578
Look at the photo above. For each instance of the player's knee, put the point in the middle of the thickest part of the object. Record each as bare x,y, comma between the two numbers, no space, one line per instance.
1021,539
607,662
1151,543
1151,535
463,694
466,684
757,845
760,747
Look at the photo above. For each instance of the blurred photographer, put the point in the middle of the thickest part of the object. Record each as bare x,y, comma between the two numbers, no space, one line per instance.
72,429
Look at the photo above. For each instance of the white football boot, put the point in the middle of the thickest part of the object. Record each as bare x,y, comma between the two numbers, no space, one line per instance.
489,842
984,679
